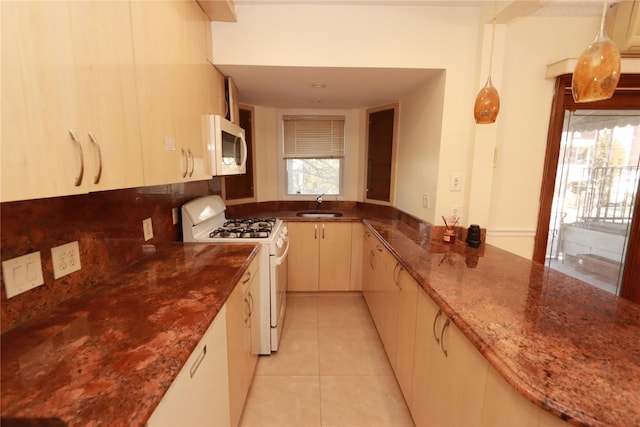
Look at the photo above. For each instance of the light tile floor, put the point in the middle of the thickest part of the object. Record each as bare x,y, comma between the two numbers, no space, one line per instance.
331,370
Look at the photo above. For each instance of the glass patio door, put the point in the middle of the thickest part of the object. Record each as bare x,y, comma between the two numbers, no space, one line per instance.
596,186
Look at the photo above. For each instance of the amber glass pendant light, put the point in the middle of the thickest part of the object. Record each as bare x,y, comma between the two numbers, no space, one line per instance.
597,72
487,105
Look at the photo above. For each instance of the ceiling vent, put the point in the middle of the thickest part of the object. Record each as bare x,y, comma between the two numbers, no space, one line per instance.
623,27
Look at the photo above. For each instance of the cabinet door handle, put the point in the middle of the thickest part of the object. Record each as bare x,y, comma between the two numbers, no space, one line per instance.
397,270
315,231
193,162
74,138
248,277
186,161
435,320
247,317
444,350
250,304
322,231
197,362
96,179
372,259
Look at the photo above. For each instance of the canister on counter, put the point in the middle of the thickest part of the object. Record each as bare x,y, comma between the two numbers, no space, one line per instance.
473,236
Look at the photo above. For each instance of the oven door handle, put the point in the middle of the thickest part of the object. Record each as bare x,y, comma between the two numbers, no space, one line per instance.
279,260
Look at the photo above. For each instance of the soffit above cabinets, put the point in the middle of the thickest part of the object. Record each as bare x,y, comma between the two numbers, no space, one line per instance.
344,87
291,86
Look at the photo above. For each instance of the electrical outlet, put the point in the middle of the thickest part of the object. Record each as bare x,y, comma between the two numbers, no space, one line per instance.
174,215
147,229
455,183
66,259
456,210
22,273
426,200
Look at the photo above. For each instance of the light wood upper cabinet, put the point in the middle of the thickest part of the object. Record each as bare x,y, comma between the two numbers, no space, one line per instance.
172,77
67,66
110,131
319,256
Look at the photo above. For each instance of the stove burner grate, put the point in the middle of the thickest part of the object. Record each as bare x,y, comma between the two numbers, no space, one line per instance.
245,228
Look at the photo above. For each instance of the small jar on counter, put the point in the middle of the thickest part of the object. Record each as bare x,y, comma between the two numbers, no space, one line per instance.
449,235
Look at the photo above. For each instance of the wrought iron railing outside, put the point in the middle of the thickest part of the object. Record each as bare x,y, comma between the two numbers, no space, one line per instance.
606,194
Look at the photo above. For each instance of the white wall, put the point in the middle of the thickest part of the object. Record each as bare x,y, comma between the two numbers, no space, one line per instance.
531,44
419,143
437,134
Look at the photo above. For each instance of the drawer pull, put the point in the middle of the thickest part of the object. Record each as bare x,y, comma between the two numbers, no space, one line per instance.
198,361
372,259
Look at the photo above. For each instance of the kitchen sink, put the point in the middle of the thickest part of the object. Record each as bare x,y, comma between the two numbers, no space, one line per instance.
319,214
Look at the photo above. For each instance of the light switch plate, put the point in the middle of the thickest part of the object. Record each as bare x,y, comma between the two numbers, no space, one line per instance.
66,259
22,273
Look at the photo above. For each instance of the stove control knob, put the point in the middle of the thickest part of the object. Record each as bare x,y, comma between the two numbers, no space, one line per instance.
279,242
285,230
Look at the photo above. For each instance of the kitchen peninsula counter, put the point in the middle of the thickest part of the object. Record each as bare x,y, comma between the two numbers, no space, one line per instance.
108,357
569,347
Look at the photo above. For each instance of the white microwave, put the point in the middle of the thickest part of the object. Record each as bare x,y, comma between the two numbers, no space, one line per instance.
226,147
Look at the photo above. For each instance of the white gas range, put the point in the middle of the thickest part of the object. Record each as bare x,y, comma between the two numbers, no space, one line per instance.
203,220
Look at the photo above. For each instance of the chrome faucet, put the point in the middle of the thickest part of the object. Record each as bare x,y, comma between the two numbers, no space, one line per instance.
319,201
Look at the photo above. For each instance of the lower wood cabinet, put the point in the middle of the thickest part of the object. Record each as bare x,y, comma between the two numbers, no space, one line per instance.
407,312
212,387
505,406
200,393
450,375
242,339
319,256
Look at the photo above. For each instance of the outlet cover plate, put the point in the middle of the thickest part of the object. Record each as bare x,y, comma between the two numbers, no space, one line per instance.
174,215
22,273
455,183
147,229
66,259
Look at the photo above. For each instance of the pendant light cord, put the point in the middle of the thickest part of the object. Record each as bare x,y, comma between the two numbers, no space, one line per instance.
493,34
604,12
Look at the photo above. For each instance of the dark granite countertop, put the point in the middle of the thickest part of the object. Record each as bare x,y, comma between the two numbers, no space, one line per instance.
108,357
569,347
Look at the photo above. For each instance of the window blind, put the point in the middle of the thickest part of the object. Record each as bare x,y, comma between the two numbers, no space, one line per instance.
313,137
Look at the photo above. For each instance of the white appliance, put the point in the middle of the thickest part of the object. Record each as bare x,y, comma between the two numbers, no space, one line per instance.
226,147
203,220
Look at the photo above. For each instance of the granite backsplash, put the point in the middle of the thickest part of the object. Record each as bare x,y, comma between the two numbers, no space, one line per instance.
108,228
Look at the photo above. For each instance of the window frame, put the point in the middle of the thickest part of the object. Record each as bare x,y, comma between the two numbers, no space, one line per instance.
282,162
